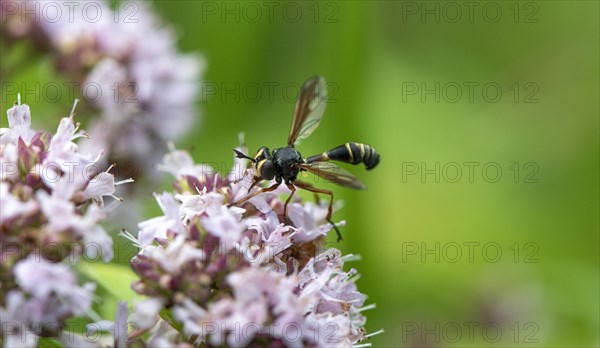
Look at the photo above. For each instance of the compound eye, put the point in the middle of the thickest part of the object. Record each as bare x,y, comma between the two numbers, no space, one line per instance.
266,169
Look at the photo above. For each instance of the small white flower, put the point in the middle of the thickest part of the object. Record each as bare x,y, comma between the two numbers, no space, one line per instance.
14,320
145,313
195,205
43,202
179,163
11,207
157,227
19,123
224,223
309,219
53,287
118,328
250,271
102,185
177,254
59,212
145,88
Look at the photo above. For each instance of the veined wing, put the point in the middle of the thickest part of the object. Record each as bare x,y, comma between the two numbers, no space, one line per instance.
331,172
309,109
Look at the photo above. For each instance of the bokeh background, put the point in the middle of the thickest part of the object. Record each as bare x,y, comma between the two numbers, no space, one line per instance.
480,226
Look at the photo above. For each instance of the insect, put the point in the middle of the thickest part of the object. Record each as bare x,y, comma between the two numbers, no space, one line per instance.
285,163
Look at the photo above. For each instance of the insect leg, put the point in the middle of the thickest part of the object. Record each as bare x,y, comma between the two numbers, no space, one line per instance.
255,181
237,181
287,201
310,185
267,189
310,188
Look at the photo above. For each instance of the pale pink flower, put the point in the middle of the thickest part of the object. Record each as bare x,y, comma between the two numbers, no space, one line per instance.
238,276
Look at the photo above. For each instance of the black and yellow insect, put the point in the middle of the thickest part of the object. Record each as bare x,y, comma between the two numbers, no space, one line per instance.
284,164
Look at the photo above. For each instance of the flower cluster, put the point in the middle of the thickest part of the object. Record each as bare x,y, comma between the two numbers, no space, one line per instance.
51,202
126,64
224,275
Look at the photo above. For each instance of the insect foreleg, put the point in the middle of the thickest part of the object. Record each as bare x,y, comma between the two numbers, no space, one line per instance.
267,189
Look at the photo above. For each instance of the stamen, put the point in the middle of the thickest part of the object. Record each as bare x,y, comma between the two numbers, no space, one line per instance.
120,199
73,109
366,308
126,181
374,333
200,192
362,345
351,257
127,235
80,135
354,278
93,315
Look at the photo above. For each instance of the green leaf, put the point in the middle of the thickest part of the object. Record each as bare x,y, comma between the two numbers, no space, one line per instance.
115,279
48,343
166,315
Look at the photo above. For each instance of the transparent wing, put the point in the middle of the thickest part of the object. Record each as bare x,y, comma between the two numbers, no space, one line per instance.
331,172
309,109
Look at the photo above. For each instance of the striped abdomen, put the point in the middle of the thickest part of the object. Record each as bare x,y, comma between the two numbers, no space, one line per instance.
350,153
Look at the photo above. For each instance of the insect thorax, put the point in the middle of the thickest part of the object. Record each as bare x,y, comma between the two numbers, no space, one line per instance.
286,160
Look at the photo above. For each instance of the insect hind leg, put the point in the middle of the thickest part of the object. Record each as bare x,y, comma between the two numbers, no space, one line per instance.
309,187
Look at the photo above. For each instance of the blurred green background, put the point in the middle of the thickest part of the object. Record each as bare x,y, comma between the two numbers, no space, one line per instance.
454,252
